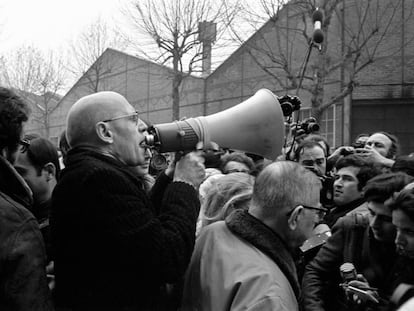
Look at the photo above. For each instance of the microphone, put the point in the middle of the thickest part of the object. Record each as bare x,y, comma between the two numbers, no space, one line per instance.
348,272
317,18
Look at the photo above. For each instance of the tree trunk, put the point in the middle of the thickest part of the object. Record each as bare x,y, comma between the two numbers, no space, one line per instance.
177,79
176,96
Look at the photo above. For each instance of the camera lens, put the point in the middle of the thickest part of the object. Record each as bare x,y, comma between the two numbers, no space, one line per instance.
287,108
313,127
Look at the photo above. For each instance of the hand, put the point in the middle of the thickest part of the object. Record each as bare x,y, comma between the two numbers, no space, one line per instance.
190,169
372,155
344,150
321,228
169,171
360,292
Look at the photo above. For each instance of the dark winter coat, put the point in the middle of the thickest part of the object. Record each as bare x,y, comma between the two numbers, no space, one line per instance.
112,251
23,284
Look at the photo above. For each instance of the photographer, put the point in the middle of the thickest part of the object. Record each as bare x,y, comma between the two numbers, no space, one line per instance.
366,241
380,148
311,155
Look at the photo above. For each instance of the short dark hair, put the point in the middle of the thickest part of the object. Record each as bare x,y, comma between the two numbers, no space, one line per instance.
404,201
318,138
41,151
306,144
367,170
380,188
237,157
13,112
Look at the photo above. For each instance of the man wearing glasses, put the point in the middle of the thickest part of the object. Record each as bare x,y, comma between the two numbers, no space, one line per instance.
23,284
113,250
245,262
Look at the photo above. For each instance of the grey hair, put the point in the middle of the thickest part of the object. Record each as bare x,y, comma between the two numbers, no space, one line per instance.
283,184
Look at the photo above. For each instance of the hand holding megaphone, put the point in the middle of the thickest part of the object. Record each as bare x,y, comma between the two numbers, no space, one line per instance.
190,169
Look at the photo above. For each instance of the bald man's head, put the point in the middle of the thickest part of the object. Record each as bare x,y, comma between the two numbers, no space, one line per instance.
88,111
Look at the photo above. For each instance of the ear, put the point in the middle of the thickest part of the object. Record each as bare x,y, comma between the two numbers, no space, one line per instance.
294,217
50,170
104,133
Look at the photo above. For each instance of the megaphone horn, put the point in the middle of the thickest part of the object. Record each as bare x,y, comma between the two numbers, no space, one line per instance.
254,126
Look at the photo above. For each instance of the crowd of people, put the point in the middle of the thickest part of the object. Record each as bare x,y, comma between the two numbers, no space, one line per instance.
92,225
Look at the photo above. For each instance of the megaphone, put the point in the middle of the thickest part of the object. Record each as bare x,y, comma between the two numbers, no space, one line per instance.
254,126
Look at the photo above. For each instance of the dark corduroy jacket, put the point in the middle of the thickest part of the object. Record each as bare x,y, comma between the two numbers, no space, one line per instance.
112,249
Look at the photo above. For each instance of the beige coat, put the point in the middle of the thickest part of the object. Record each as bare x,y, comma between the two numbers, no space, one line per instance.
228,273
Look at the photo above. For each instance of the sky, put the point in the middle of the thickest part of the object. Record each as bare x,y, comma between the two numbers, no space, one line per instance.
53,25
50,24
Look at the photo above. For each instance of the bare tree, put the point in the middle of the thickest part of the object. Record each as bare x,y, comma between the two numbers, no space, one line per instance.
172,27
346,51
38,78
86,51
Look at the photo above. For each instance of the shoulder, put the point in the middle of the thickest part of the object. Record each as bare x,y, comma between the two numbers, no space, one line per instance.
17,224
12,212
353,220
362,209
96,172
220,245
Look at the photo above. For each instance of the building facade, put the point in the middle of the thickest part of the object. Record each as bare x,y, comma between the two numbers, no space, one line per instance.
382,97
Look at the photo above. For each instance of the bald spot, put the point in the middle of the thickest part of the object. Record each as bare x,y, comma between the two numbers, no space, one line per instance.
89,110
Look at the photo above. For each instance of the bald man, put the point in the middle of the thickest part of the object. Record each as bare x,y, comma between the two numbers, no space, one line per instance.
113,250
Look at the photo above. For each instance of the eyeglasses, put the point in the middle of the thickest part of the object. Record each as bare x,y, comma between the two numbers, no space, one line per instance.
321,212
24,145
133,116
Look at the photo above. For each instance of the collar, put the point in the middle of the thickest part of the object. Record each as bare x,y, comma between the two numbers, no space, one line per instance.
349,206
41,210
13,185
78,154
251,229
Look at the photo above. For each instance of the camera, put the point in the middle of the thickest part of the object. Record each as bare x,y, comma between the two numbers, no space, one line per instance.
305,127
348,274
289,104
358,144
326,193
159,162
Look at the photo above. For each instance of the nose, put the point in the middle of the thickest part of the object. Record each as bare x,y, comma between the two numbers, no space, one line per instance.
148,152
338,183
399,239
